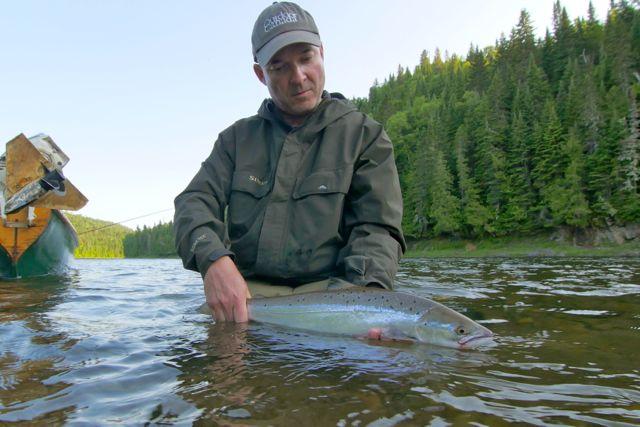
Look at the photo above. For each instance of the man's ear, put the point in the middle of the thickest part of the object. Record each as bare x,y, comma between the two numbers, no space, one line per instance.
322,51
259,73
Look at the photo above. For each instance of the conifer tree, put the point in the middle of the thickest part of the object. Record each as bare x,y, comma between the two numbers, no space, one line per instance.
549,161
564,195
475,218
478,79
518,213
442,208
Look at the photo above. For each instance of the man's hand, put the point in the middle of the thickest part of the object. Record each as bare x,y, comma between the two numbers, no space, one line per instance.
226,291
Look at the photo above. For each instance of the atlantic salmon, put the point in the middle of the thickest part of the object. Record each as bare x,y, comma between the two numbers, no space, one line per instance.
372,313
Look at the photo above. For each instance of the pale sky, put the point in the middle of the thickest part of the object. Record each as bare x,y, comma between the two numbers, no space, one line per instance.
136,92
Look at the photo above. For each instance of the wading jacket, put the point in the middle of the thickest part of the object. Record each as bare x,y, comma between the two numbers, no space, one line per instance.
297,204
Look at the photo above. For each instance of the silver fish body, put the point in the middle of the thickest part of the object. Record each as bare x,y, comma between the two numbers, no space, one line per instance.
356,311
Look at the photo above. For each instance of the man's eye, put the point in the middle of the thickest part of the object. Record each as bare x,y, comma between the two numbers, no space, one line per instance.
276,68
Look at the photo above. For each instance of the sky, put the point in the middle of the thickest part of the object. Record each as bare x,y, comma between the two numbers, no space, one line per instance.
136,91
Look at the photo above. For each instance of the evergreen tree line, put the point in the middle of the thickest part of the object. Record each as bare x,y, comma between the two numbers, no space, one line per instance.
97,238
521,136
150,242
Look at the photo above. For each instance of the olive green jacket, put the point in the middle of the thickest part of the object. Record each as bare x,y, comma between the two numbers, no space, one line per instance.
302,204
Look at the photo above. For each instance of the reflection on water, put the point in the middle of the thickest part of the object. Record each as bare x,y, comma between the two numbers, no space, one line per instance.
122,342
31,346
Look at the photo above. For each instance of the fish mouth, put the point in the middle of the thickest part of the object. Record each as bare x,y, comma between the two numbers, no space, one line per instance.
474,341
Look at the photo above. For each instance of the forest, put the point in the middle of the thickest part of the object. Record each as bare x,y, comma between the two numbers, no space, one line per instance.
150,242
523,136
104,239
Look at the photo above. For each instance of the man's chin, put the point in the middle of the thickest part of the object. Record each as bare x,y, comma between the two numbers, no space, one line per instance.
303,108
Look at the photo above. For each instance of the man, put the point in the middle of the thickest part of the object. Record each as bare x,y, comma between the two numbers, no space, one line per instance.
306,191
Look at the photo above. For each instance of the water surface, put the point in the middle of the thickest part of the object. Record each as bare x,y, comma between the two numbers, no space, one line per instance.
121,341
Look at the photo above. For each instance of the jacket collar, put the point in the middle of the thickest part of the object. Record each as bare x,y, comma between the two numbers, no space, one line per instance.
332,106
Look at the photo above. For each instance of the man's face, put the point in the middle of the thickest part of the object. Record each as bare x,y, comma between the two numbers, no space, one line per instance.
295,78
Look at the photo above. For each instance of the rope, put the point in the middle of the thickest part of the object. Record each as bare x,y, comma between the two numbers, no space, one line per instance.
126,220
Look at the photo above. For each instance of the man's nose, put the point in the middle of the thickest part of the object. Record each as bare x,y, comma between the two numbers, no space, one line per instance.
298,74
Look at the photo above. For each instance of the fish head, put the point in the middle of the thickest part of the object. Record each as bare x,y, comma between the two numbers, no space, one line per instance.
442,326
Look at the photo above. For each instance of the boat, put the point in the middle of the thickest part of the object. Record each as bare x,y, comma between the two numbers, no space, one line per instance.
36,238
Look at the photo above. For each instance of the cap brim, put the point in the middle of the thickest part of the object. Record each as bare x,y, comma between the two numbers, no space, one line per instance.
285,39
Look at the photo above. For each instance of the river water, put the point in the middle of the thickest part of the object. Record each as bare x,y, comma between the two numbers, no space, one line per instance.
121,341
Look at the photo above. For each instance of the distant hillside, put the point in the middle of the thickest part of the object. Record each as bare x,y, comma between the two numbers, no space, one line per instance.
150,242
98,239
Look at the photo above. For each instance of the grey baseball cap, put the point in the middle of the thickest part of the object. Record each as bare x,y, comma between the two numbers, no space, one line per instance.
279,25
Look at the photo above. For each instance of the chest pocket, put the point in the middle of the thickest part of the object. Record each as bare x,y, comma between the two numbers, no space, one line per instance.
246,202
248,182
324,182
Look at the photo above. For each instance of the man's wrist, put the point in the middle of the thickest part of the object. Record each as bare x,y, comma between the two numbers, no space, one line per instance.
213,257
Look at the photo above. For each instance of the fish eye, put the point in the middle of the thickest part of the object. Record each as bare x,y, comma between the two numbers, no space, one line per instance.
460,330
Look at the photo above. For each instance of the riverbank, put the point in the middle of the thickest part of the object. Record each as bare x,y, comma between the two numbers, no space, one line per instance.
521,246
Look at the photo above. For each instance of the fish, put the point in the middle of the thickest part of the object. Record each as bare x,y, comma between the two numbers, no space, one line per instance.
371,313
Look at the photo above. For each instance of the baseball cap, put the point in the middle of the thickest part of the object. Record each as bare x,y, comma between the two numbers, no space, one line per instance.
279,25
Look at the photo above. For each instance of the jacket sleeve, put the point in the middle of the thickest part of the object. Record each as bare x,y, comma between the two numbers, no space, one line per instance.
372,217
199,211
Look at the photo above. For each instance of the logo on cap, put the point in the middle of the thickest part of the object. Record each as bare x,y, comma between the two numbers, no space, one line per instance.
279,19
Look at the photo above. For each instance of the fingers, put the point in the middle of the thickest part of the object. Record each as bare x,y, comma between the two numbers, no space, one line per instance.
232,305
240,311
216,308
233,313
227,308
226,291
222,306
218,313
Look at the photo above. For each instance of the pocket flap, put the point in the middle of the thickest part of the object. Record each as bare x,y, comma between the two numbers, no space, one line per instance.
324,182
248,182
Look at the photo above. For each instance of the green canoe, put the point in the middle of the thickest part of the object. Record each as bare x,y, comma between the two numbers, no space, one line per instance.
49,253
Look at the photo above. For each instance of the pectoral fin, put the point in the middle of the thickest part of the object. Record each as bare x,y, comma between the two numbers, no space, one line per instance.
388,334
